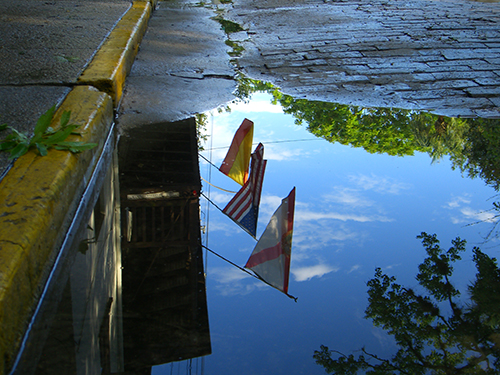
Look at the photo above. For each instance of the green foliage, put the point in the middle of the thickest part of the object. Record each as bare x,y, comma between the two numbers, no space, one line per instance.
472,144
228,26
435,334
481,154
44,137
201,129
237,49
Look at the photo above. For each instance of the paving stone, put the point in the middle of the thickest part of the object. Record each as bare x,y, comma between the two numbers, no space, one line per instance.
440,55
484,91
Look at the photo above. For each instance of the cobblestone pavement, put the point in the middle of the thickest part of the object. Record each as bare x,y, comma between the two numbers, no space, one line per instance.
437,55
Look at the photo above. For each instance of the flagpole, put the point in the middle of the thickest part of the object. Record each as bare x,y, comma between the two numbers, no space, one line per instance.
220,209
250,273
208,161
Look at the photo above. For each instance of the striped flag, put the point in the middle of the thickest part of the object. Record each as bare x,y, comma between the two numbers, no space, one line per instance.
237,160
270,259
244,207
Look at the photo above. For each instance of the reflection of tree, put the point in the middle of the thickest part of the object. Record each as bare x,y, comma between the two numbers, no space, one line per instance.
480,156
435,333
472,144
378,130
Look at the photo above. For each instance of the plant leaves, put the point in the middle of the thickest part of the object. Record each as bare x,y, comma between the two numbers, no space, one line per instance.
19,150
75,147
59,135
44,121
65,118
41,149
44,137
7,145
21,137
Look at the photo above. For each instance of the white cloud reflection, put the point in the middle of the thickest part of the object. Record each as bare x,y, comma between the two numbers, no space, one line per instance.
348,196
308,272
462,212
303,215
383,185
229,281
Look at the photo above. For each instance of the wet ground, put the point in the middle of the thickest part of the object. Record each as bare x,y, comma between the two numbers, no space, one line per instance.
442,56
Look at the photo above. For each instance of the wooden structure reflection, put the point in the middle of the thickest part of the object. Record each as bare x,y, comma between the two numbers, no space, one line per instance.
164,301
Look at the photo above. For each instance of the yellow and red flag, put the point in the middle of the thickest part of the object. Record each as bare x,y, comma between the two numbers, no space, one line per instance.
237,161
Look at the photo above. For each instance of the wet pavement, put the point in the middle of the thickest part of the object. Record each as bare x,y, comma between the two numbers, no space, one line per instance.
182,67
441,56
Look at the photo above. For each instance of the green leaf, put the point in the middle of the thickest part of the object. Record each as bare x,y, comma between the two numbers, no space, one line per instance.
18,151
21,137
65,118
3,127
44,121
7,145
75,147
59,135
41,149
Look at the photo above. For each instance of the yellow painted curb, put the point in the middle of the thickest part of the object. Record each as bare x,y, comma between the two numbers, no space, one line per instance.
112,63
38,196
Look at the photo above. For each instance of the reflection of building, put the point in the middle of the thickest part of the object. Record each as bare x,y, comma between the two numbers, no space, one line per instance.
96,319
164,303
78,327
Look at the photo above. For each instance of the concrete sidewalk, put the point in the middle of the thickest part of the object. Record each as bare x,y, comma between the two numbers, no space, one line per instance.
76,55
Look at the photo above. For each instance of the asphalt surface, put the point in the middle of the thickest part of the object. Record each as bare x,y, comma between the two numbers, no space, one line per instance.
44,47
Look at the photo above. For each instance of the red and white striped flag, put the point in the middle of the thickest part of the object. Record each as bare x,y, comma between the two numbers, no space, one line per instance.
244,207
270,259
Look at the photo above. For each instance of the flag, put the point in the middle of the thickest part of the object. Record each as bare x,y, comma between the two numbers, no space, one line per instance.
244,207
270,259
237,160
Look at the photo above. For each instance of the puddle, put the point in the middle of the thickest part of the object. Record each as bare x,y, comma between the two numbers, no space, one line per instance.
138,295
355,211
129,292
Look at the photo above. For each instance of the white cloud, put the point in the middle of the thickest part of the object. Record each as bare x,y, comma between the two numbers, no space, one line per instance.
256,105
464,213
378,184
456,202
391,266
347,196
485,216
303,215
307,273
230,281
281,153
354,268
226,275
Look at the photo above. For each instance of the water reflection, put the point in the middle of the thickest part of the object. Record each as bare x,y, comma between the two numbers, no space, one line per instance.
434,328
472,144
135,295
357,212
131,292
165,315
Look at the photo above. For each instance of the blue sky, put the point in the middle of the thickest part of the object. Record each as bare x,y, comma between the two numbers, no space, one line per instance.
354,212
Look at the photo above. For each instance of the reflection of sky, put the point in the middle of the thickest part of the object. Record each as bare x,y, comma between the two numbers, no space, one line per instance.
354,211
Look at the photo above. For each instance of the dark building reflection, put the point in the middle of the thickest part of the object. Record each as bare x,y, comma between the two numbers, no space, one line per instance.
164,303
129,292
